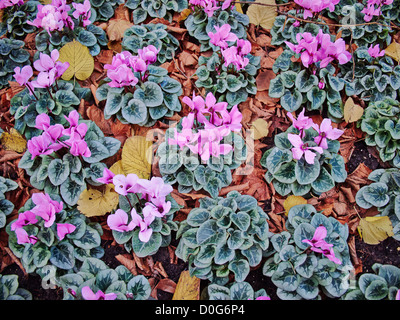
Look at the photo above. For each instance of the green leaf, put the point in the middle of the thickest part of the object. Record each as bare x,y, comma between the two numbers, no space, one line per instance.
241,220
308,288
303,231
113,103
291,101
140,287
305,82
240,269
58,171
324,182
286,173
306,173
377,194
317,97
197,217
253,254
135,112
143,249
223,254
152,94
70,191
338,169
62,256
276,158
276,87
285,277
241,291
90,239
233,83
207,232
67,98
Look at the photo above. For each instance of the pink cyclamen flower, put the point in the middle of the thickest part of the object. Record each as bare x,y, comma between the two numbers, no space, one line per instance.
24,219
233,120
232,56
222,36
145,231
374,51
263,298
313,6
107,177
42,145
46,208
301,148
82,10
126,184
318,244
119,221
10,3
122,76
88,294
325,131
154,188
148,54
46,62
78,146
45,79
63,229
301,123
24,237
138,64
186,135
197,103
22,75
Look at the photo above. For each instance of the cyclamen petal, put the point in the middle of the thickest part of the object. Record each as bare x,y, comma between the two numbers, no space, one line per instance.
63,229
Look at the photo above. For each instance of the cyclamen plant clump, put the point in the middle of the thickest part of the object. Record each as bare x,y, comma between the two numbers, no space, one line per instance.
380,123
138,92
310,257
383,284
155,34
50,238
210,13
224,236
383,194
305,158
12,55
204,147
63,160
236,291
143,221
10,290
62,25
155,9
314,79
229,73
94,280
16,14
6,206
46,93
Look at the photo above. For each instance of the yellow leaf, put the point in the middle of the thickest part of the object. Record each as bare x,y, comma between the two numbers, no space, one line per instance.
373,230
117,168
393,51
136,156
263,16
93,202
13,140
292,201
188,288
81,62
116,28
260,128
184,14
238,7
352,112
